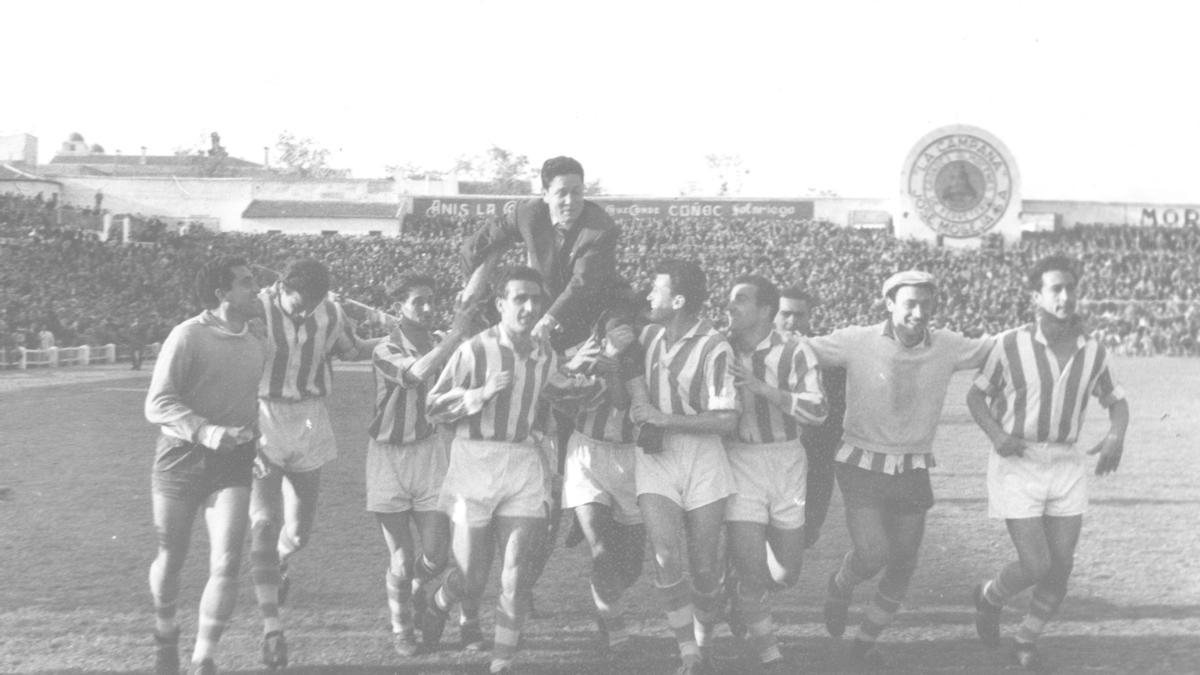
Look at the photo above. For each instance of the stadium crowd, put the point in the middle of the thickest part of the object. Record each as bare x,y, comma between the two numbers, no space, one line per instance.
1140,289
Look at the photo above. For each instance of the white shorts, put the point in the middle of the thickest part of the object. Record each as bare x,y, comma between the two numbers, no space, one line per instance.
771,482
492,478
601,472
405,477
691,470
1050,479
296,435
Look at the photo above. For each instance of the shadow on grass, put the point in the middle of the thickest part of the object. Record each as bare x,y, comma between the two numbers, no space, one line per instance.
1061,654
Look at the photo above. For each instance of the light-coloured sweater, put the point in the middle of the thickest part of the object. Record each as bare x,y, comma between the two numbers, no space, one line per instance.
894,394
205,379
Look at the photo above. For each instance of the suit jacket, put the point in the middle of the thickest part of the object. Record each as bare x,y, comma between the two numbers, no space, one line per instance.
579,281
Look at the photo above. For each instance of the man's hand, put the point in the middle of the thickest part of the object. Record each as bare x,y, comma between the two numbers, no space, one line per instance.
618,340
496,383
644,412
1110,450
262,468
744,377
606,364
1009,446
232,437
545,326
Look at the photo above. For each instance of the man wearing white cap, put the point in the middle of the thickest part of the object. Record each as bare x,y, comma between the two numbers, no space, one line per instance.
897,373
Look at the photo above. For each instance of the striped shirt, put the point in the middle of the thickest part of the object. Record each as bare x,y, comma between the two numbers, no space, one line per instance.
399,397
510,415
299,347
1033,397
691,376
597,417
894,393
786,364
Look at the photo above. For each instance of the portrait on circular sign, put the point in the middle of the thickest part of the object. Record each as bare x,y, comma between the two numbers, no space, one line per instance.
960,184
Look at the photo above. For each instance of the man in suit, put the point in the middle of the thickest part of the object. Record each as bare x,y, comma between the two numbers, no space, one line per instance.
571,242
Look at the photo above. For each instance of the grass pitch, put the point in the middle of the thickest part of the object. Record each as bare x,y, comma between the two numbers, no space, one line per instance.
76,542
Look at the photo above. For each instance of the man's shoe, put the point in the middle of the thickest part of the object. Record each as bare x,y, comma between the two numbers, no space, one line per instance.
836,610
866,656
405,644
470,637
205,667
987,618
614,634
696,667
274,650
1025,654
780,666
433,624
166,653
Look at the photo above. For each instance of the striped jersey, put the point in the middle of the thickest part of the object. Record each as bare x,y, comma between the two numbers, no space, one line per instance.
597,417
691,376
510,415
786,364
1033,397
299,348
399,398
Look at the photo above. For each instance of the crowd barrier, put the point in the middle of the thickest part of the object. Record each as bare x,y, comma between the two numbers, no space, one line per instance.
58,357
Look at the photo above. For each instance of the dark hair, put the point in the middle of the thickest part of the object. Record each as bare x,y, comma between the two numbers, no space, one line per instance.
623,306
215,275
1054,263
515,273
408,283
688,280
797,293
560,166
766,294
307,276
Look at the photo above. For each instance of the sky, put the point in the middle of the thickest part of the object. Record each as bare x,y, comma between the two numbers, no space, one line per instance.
1096,100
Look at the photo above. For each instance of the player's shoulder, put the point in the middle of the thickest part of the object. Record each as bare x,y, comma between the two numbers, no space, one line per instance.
650,332
596,217
190,326
1009,338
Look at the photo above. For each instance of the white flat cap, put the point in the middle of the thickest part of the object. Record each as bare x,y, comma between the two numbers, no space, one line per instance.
908,278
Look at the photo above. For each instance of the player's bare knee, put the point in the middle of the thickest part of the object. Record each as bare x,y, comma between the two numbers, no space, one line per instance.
263,530
706,575
1035,568
225,564
400,564
602,555
868,561
789,578
668,565
295,536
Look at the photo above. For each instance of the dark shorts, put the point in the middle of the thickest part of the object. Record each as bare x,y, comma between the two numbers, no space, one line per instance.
191,472
908,492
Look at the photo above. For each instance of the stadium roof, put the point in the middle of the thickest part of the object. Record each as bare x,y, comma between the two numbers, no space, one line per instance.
10,172
150,160
262,208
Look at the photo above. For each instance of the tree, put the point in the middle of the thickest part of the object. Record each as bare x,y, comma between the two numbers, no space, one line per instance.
727,171
303,157
594,188
496,171
413,171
